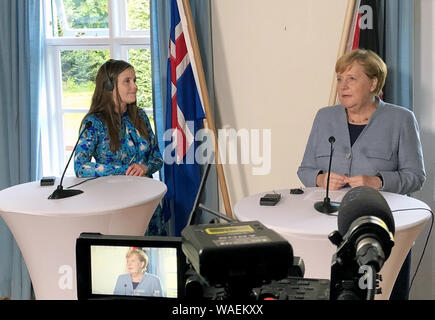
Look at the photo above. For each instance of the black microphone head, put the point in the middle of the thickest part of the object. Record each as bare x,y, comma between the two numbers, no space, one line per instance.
331,139
88,124
363,201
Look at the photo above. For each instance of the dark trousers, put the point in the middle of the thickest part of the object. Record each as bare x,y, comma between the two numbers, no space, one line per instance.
401,286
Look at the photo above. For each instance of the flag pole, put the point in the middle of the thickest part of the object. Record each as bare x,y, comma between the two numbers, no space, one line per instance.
206,103
349,18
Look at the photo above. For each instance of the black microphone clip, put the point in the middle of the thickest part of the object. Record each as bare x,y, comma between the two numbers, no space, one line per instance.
60,193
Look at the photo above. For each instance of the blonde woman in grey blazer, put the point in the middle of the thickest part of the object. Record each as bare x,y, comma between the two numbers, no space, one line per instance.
376,144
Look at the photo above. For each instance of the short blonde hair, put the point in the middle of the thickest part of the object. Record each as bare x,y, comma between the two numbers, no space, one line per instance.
374,66
142,256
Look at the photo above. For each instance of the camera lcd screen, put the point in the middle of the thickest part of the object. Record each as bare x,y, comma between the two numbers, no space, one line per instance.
135,267
134,271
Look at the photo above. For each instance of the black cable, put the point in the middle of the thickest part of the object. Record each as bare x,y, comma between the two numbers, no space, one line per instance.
427,239
75,185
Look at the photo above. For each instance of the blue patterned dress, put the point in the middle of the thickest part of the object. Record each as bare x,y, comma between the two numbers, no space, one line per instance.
94,143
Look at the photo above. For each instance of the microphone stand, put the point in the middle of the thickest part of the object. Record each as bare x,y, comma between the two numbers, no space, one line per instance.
326,206
197,205
61,193
215,213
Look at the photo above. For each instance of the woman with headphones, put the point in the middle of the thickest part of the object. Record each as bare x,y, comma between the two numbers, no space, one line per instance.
120,138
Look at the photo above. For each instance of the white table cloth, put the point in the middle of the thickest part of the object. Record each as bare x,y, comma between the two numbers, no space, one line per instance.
46,230
307,230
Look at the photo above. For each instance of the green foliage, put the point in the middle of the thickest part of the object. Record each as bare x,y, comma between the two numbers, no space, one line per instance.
141,60
87,14
138,14
81,66
82,14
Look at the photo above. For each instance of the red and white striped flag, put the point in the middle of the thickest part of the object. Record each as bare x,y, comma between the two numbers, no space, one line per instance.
184,116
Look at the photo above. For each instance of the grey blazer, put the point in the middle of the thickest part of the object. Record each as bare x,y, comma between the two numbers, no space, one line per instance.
388,146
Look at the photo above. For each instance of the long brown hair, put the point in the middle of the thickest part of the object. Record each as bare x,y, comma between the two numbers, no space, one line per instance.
104,106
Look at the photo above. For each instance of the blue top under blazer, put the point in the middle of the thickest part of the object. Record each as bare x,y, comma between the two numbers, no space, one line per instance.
149,286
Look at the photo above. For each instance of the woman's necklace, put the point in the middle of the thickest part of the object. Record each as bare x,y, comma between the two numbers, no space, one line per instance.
359,122
366,119
137,277
363,121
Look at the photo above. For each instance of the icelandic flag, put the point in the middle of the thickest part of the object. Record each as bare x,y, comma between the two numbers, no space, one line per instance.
184,114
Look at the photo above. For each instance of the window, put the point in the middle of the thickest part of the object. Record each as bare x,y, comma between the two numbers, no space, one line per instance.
81,36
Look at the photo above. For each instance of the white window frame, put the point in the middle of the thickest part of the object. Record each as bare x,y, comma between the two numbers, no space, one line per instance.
118,42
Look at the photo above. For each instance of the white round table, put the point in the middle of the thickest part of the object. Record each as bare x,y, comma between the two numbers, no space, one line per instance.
46,230
307,230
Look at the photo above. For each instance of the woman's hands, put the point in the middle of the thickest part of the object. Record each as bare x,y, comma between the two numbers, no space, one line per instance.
137,170
338,181
369,181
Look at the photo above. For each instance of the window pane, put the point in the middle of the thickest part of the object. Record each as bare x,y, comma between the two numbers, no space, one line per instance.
71,127
141,61
138,14
79,70
80,18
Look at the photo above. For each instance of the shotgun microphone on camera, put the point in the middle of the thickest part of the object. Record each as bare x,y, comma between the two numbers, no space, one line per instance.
365,219
364,241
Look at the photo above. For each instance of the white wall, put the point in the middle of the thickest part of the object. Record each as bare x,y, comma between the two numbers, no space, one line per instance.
424,108
273,68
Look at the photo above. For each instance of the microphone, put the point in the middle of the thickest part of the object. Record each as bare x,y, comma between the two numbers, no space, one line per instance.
197,205
326,206
60,193
366,222
364,240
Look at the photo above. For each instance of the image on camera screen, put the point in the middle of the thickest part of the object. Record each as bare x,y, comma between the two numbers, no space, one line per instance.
134,271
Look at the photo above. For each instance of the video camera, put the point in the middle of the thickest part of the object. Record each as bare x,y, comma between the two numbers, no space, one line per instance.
244,260
214,262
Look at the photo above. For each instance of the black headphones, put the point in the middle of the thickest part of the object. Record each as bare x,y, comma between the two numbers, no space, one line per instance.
108,84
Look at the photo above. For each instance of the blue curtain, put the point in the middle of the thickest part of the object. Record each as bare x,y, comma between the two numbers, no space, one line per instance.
160,27
396,19
398,51
21,52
